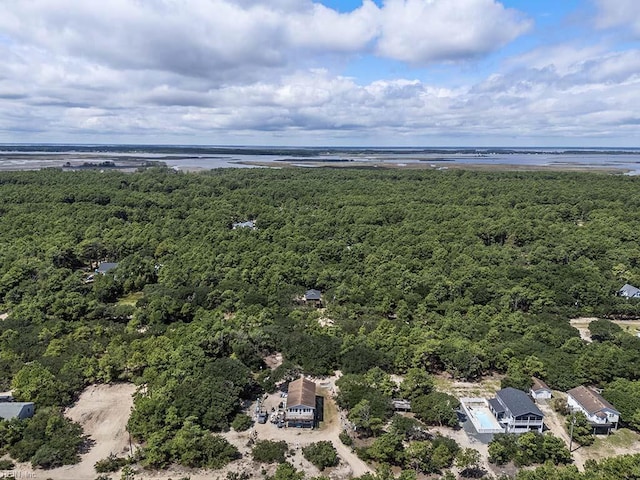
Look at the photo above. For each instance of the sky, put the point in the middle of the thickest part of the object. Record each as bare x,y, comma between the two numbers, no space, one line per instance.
507,73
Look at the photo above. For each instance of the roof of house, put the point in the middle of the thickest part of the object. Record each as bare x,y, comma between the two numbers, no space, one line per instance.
629,291
496,405
539,385
302,392
590,400
312,294
399,403
104,267
247,224
518,402
10,410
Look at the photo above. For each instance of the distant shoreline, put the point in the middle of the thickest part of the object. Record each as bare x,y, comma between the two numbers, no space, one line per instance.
193,159
443,165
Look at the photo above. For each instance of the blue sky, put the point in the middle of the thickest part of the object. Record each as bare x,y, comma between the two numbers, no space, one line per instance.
329,72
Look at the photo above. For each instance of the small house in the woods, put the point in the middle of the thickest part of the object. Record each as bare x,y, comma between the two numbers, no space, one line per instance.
601,414
401,405
21,410
301,403
629,291
539,390
250,224
105,267
313,297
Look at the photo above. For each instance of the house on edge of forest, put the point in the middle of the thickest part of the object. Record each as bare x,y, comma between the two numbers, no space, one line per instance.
250,224
601,414
105,267
300,410
539,390
629,291
516,412
21,410
313,297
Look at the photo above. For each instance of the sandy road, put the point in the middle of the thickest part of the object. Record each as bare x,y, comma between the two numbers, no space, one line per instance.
555,423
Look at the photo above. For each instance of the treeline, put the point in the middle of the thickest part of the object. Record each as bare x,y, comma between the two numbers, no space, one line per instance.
463,272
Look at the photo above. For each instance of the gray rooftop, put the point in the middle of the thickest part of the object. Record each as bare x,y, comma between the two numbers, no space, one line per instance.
518,402
496,405
629,291
9,410
312,294
105,267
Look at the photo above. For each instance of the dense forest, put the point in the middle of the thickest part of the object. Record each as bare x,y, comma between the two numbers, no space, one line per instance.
462,272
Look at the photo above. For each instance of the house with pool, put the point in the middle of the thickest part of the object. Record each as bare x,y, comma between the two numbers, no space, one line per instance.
510,411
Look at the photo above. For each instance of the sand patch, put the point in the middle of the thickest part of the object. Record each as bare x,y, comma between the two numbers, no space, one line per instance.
103,411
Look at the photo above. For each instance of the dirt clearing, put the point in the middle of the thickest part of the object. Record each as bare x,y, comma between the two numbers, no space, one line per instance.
582,324
486,387
103,411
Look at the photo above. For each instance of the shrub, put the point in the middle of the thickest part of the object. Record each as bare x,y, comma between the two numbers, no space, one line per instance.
241,422
238,476
6,465
321,454
560,405
267,451
110,464
345,438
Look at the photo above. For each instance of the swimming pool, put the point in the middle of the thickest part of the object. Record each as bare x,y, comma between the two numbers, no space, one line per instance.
485,419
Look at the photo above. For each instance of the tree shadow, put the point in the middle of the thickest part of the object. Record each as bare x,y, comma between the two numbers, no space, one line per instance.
87,444
473,472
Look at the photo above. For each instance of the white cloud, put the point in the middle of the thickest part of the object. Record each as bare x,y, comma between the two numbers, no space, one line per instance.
563,58
424,31
322,28
615,13
155,70
211,38
596,95
230,40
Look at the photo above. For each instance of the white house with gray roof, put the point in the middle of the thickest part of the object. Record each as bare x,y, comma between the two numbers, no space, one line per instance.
516,412
539,390
601,414
21,410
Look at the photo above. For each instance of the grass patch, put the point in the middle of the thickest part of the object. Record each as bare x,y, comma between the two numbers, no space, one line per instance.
131,299
330,409
622,438
484,388
617,443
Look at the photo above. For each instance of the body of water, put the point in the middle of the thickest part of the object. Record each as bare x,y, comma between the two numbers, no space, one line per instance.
26,157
